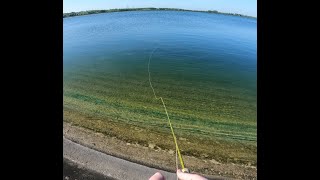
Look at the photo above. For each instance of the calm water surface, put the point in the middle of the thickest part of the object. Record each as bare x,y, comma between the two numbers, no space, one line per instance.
205,65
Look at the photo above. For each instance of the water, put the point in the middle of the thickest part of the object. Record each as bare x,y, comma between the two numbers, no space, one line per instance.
205,68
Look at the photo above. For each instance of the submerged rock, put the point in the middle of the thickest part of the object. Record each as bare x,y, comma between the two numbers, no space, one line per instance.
171,151
152,146
214,161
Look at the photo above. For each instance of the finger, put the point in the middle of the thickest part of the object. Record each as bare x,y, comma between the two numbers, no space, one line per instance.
157,176
187,176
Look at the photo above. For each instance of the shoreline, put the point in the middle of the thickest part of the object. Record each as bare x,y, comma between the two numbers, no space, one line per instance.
85,160
151,156
90,12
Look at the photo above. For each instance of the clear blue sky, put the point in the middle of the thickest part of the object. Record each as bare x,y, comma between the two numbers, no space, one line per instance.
246,7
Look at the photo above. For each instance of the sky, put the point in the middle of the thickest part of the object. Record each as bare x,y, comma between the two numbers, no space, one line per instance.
245,7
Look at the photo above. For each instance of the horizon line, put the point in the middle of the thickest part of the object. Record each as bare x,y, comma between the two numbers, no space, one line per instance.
209,11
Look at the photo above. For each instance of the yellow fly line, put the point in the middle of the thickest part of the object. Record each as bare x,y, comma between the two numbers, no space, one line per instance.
174,137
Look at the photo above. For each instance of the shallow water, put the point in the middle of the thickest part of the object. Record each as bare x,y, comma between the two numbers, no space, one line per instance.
204,68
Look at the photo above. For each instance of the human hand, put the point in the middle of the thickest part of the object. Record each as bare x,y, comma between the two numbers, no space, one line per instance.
188,176
157,176
181,175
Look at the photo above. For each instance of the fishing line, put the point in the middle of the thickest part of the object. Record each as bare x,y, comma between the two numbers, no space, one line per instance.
160,98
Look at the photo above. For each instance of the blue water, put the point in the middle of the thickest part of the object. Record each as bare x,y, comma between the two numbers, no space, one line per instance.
199,50
209,40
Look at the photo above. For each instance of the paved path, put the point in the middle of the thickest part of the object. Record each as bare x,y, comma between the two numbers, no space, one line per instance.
72,171
99,163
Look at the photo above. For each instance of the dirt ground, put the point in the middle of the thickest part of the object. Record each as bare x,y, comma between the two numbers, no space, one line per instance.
154,156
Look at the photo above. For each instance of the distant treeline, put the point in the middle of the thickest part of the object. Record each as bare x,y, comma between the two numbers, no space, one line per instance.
81,13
